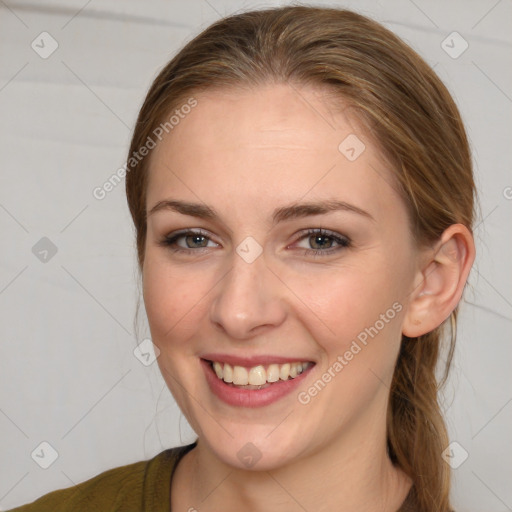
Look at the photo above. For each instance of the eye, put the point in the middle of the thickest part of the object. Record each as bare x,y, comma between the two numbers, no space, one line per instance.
316,237
194,239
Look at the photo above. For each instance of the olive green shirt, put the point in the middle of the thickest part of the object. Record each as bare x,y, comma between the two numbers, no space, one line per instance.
139,487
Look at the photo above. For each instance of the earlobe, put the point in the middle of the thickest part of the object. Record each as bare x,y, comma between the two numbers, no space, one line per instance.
440,281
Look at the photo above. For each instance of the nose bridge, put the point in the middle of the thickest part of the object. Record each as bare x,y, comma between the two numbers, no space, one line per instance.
247,297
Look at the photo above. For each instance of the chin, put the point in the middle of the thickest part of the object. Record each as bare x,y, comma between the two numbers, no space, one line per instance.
255,447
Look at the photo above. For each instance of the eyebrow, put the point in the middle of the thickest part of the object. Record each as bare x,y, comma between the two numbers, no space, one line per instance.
289,212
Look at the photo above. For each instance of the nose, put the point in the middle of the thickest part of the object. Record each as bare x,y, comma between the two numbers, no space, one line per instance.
248,300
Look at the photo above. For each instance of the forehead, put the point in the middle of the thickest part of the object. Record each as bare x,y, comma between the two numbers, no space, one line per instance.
274,143
225,118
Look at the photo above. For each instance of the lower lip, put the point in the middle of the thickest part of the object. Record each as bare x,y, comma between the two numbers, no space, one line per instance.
239,397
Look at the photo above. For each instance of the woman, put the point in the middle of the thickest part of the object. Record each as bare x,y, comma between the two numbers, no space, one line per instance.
301,187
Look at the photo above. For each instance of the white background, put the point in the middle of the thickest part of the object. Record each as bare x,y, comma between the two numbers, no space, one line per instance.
68,375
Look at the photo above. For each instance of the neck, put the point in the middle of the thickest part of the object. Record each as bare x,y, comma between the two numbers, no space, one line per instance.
348,474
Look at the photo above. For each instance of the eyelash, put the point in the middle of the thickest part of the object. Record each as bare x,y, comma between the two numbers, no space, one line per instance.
343,241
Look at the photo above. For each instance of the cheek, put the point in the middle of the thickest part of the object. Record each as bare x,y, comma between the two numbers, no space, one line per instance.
173,305
357,309
172,298
346,299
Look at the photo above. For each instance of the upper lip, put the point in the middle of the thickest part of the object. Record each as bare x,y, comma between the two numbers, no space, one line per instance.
256,360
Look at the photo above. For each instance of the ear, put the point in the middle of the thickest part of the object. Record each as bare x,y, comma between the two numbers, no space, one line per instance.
440,281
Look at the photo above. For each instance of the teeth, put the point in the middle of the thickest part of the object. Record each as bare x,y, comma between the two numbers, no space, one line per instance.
226,373
273,373
218,369
240,376
284,371
258,375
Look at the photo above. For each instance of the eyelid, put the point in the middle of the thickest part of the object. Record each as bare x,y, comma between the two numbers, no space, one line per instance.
342,241
170,240
322,232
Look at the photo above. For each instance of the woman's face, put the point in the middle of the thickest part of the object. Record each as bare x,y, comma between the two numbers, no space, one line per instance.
248,291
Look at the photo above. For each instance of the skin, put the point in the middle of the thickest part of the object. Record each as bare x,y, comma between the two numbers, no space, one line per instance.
245,153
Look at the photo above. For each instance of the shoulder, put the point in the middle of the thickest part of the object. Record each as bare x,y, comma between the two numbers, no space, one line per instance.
107,491
125,488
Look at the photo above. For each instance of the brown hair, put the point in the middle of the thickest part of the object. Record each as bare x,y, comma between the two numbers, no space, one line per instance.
418,128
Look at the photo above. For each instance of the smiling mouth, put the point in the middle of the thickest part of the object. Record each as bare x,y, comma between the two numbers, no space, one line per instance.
259,376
